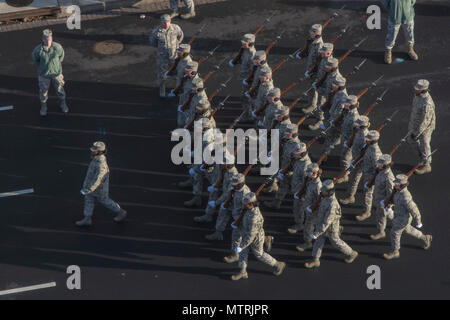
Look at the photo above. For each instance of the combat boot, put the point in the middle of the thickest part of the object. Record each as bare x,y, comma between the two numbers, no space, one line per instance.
363,216
351,257
428,240
64,107
196,201
348,200
392,255
303,247
162,90
86,222
424,169
43,111
412,54
174,14
315,126
203,218
312,264
279,268
217,235
188,15
275,204
388,56
231,258
308,109
120,216
378,236
185,184
239,276
268,241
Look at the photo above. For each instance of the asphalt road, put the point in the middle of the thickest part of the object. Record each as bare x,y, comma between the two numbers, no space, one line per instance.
160,253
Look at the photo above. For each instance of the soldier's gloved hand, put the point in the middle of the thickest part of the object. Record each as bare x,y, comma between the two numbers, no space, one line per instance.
308,208
296,196
179,108
166,74
171,94
212,204
313,236
222,206
352,164
260,124
84,192
247,94
212,188
280,175
233,226
237,249
390,213
244,82
366,185
322,126
345,145
307,75
314,85
254,114
298,56
192,172
230,63
202,168
419,225
382,203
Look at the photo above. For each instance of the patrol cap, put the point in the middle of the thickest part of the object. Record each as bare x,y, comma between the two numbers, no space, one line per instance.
291,128
47,34
422,84
98,146
384,159
316,28
312,168
332,63
192,65
352,99
265,71
327,47
339,81
184,47
373,135
238,179
401,179
249,198
197,83
362,121
281,111
327,185
274,92
248,37
165,18
259,55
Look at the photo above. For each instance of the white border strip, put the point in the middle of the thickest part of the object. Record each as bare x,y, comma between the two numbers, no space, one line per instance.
30,288
16,193
6,108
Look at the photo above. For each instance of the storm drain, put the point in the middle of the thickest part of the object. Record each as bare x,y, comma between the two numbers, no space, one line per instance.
18,3
109,47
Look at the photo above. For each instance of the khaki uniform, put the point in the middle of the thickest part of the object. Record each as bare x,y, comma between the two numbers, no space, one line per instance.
269,114
198,173
318,95
213,195
261,96
383,186
298,179
246,62
346,132
333,137
313,52
286,156
223,217
423,122
311,194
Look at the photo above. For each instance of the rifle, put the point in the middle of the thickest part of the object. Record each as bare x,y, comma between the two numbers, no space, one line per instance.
187,102
274,42
227,202
209,55
332,17
173,66
216,68
194,118
196,34
251,75
291,56
262,24
177,89
264,106
221,87
371,182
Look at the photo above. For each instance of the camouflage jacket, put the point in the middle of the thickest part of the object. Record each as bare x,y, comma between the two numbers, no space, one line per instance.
167,41
384,183
359,142
226,185
299,176
269,113
194,102
423,117
313,52
329,213
246,62
321,68
256,75
97,177
288,148
181,66
251,227
187,88
281,126
369,160
405,208
237,201
327,84
337,104
348,124
312,191
261,96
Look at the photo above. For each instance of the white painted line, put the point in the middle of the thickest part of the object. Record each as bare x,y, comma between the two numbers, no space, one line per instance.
15,193
6,108
30,288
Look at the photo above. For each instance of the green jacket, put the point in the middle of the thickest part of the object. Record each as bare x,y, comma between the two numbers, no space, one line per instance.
49,61
400,11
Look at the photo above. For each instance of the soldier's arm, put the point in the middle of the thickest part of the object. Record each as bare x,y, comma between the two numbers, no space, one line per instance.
153,39
180,36
326,223
249,236
61,53
412,208
426,117
95,182
35,55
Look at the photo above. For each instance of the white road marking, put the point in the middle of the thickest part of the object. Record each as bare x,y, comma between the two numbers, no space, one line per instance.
6,108
16,193
30,288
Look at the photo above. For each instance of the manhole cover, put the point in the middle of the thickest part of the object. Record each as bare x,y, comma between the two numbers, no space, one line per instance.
19,3
109,47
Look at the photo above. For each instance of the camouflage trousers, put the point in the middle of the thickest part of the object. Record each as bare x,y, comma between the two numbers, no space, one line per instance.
331,234
163,64
105,200
311,222
223,219
188,3
332,139
284,187
402,225
299,213
197,177
393,30
44,86
257,247
381,217
213,196
423,147
355,177
319,98
346,157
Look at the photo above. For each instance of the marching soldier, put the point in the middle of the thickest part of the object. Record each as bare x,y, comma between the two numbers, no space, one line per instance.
315,36
365,169
266,84
202,111
214,193
198,93
273,98
246,62
312,191
96,187
329,216
383,186
253,237
166,37
48,57
260,62
422,123
189,5
405,210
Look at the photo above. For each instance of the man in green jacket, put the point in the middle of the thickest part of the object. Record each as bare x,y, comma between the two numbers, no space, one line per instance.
401,13
48,57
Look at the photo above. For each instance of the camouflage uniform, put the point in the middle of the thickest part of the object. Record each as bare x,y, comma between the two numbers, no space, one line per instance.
188,3
311,194
348,123
261,97
422,122
224,217
269,113
298,179
313,52
383,186
333,137
286,156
